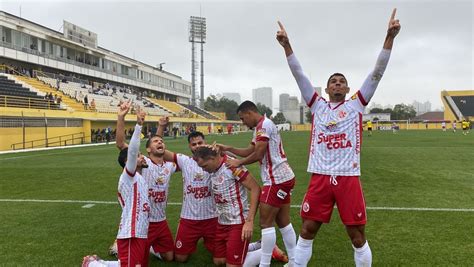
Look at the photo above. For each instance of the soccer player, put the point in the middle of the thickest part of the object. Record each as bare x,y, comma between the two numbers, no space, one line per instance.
277,177
157,175
454,125
334,153
235,217
443,126
465,127
369,127
133,198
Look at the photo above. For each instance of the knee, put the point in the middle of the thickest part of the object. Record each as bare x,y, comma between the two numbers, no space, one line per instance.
219,261
181,258
358,241
307,233
167,256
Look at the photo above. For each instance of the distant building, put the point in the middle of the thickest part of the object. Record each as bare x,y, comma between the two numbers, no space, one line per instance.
263,95
233,96
421,108
283,105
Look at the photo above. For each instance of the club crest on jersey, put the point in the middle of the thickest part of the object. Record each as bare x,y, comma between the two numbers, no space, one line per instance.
331,126
219,179
354,96
342,114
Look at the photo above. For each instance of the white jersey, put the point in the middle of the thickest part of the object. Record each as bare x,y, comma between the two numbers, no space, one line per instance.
158,178
336,133
274,167
336,136
133,197
229,194
198,202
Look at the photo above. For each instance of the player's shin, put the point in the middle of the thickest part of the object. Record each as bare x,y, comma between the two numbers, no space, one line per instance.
289,238
268,243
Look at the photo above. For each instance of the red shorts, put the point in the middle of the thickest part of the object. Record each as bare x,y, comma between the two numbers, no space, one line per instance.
324,191
229,244
190,231
277,195
132,251
160,237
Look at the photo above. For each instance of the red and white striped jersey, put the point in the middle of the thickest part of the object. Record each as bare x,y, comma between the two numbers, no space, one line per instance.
158,177
230,195
133,197
274,167
198,203
336,136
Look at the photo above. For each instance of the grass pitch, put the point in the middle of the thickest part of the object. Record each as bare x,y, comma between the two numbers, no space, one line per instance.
411,169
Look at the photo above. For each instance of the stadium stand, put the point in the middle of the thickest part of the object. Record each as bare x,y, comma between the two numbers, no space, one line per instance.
15,95
465,104
458,105
201,112
39,86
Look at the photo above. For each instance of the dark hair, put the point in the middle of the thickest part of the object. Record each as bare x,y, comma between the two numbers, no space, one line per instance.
247,106
149,140
204,152
122,158
194,135
336,74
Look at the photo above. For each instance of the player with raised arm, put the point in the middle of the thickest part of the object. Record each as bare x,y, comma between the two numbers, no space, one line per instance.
158,174
277,177
235,216
334,153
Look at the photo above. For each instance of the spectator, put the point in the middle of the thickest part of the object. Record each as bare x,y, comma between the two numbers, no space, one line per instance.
93,104
86,102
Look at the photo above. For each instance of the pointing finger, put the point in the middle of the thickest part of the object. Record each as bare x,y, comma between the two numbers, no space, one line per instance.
281,26
393,14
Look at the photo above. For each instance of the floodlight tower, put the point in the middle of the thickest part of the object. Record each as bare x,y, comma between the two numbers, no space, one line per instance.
197,34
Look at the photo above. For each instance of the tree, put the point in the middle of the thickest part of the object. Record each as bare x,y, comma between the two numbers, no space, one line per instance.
376,110
279,118
403,112
264,110
229,107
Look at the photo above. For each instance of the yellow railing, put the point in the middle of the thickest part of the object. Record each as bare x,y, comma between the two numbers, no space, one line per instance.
63,140
26,102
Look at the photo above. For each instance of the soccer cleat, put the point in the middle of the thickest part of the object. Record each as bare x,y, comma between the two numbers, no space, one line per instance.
88,259
279,255
113,250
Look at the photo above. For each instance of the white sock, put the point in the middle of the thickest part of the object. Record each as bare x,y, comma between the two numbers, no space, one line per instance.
253,258
363,255
255,245
303,251
268,243
156,254
289,238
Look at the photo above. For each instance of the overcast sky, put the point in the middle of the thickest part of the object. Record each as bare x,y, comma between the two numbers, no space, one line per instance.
433,51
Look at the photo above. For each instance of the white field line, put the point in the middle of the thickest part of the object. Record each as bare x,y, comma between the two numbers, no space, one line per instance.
179,204
88,206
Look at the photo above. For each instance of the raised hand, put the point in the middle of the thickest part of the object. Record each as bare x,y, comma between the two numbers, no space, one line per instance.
163,121
281,36
393,25
124,108
140,116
